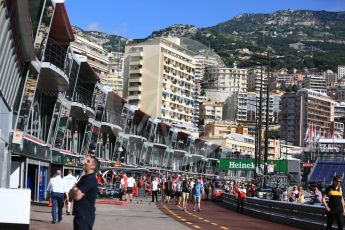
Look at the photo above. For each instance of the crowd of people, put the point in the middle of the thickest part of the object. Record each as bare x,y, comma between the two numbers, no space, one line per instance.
167,188
177,189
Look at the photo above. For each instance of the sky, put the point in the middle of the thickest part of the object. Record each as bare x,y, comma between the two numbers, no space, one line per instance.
139,18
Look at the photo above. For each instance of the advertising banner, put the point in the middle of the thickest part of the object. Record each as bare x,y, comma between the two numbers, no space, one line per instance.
249,165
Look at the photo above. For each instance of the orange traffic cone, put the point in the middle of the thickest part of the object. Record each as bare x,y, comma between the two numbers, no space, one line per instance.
50,203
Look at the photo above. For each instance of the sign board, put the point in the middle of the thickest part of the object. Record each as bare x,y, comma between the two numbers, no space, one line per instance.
249,165
308,165
17,137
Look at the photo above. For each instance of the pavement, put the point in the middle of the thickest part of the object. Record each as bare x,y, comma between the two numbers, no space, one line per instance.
145,216
148,216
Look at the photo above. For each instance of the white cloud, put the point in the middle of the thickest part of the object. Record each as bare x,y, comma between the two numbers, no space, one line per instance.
93,26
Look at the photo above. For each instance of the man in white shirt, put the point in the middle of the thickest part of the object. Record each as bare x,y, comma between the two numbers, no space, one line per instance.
70,181
154,185
130,185
123,185
57,188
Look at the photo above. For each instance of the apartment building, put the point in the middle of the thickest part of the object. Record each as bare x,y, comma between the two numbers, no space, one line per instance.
228,79
202,61
223,83
211,111
341,72
282,80
331,78
113,79
315,82
254,79
340,93
248,107
96,55
159,79
305,110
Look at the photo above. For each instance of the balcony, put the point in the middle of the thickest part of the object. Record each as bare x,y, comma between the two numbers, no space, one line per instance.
135,79
135,71
54,68
134,97
135,63
110,128
82,105
134,88
136,54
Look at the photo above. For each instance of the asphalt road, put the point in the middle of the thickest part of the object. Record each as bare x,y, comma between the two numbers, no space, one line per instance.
212,216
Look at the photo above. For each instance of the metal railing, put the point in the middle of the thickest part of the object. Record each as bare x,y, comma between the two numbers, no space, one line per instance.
56,55
303,216
83,96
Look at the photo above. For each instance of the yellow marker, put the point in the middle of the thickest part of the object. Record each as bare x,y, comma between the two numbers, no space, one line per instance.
183,219
214,224
207,221
222,227
196,226
189,222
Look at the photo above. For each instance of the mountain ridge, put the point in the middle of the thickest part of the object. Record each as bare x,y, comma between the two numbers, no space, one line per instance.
295,38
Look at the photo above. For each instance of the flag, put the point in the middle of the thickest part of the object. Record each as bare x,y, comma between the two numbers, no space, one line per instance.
311,133
306,135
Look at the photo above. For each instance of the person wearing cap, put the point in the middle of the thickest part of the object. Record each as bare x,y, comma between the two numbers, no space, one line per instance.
335,206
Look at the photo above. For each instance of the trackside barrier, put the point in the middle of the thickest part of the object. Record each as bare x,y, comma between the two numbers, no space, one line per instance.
303,216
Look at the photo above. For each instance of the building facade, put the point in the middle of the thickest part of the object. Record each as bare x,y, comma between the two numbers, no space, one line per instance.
159,79
254,79
96,55
306,112
210,111
315,82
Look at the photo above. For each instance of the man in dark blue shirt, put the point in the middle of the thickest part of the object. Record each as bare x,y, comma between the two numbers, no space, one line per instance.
85,194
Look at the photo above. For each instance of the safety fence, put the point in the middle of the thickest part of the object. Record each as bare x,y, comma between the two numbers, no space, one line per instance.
302,216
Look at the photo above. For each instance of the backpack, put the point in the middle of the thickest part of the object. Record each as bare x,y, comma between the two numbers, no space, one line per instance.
185,186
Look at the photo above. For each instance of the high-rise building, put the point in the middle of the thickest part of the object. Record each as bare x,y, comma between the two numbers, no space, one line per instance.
113,79
306,110
248,104
341,72
159,79
96,55
254,79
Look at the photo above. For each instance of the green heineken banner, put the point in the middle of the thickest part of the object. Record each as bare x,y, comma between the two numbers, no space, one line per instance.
249,164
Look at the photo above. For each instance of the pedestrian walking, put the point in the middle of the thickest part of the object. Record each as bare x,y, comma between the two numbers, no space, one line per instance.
241,197
130,186
70,181
154,191
335,206
185,193
197,192
57,189
168,190
178,191
84,195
